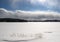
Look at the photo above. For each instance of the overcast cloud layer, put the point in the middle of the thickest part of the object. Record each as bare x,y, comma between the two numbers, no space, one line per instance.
29,15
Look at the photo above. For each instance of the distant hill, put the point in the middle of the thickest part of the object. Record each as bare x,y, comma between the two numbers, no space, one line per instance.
22,20
45,21
12,20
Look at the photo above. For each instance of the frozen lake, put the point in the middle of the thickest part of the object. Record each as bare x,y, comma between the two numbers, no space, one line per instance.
50,31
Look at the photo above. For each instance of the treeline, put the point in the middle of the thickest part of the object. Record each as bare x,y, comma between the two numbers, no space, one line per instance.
23,20
12,20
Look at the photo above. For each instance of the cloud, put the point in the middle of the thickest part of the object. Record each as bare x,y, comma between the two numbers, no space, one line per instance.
15,3
29,15
47,3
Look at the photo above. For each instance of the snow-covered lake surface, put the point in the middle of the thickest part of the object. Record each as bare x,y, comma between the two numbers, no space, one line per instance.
50,31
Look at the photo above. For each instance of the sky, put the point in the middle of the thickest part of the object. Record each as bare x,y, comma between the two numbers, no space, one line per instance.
31,5
30,9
